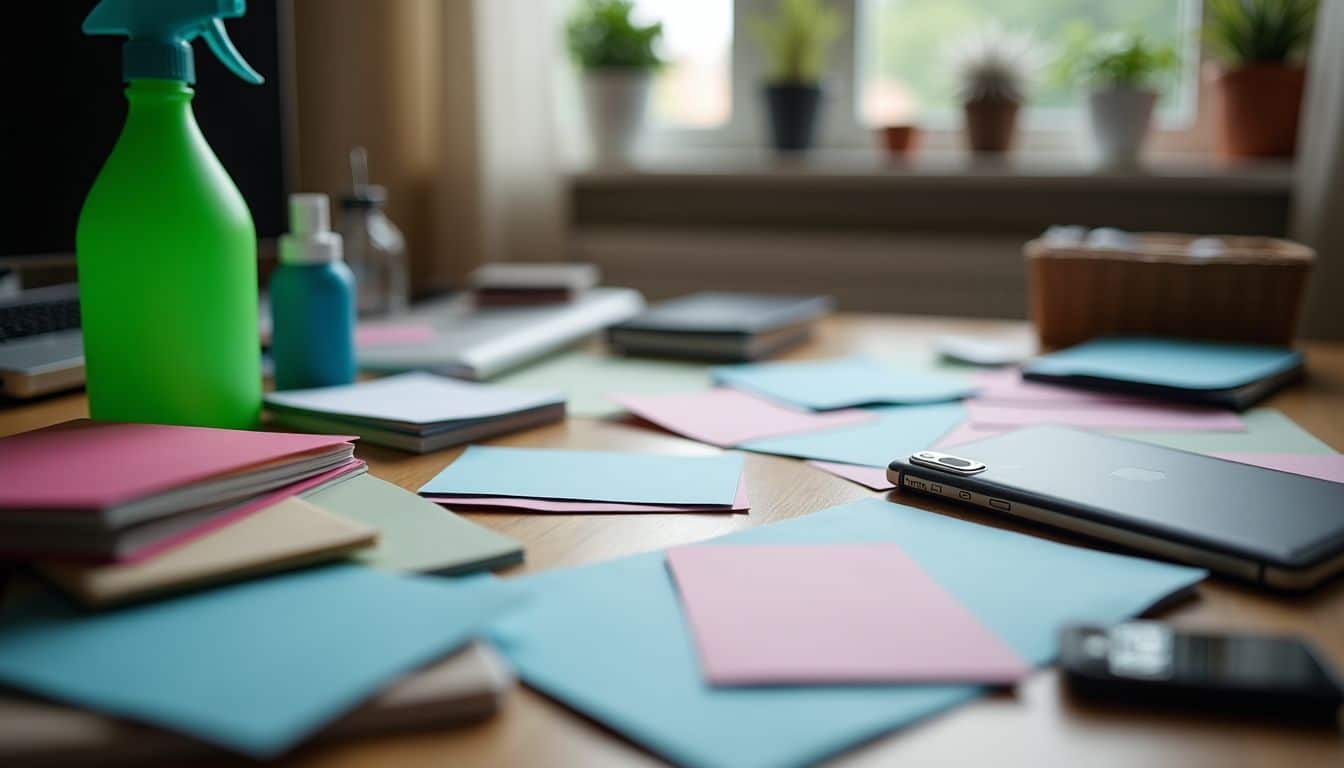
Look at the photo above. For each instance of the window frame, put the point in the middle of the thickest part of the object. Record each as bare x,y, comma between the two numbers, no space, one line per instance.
842,129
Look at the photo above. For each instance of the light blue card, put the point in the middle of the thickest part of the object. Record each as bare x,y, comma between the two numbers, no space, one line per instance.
610,641
254,667
846,383
1267,431
634,478
1188,364
898,432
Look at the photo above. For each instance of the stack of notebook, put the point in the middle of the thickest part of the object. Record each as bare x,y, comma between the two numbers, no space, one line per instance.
720,326
516,284
417,412
105,491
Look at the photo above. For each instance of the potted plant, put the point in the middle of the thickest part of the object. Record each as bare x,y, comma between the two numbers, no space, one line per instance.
1121,72
993,69
617,58
795,38
1258,87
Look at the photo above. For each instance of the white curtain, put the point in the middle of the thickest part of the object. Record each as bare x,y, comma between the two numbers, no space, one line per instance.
1318,200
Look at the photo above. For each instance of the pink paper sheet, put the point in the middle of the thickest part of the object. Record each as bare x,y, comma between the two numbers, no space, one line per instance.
388,334
982,415
92,465
964,433
1007,387
819,615
727,417
872,477
511,504
1328,466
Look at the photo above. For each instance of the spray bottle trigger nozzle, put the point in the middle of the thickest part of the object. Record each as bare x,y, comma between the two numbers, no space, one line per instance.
217,37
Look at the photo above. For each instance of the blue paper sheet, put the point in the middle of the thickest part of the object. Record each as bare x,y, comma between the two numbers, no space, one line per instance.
253,667
846,383
610,641
635,478
1168,362
898,432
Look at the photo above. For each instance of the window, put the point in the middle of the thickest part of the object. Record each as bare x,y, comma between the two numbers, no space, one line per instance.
904,46
694,90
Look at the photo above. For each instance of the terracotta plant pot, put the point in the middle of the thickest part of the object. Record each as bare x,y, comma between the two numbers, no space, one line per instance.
991,124
1258,109
900,140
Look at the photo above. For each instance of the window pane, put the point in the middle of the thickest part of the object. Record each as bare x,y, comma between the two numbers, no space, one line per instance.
905,44
694,89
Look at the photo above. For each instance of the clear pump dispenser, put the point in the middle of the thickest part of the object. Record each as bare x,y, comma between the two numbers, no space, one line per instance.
374,247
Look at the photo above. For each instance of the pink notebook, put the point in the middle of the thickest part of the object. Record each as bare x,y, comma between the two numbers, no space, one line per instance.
727,417
834,614
89,465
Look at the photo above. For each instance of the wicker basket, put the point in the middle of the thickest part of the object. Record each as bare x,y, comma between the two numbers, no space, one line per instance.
1251,291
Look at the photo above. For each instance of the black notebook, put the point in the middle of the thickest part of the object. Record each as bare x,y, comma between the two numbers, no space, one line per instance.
721,326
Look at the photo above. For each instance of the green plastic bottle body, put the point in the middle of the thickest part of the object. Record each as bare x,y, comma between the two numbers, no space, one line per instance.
166,251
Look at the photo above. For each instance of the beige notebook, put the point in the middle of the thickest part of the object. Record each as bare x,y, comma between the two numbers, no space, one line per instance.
470,685
289,534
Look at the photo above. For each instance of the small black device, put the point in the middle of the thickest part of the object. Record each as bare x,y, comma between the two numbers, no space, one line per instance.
1263,526
1149,663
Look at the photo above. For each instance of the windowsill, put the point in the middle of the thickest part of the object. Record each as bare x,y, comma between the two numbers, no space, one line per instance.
829,167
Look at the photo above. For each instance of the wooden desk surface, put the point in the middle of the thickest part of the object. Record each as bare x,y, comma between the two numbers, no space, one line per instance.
1036,727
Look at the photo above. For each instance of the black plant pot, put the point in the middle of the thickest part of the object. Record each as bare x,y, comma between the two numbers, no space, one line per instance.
793,115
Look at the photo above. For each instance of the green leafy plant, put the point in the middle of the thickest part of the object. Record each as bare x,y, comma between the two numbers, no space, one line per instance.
1116,60
796,39
602,34
1248,31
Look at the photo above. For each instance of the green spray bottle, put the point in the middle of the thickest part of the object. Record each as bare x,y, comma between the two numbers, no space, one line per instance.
166,248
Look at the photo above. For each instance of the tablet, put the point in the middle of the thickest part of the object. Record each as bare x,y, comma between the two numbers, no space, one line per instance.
1260,525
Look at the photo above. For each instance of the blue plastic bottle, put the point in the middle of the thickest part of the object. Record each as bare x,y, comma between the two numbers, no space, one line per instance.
312,302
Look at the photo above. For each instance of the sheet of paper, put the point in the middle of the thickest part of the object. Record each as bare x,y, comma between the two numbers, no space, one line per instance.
1168,362
284,535
116,462
633,478
898,431
414,398
726,417
986,350
378,334
1105,416
741,503
253,667
965,433
825,385
828,615
872,477
585,379
414,534
610,641
1324,466
1007,387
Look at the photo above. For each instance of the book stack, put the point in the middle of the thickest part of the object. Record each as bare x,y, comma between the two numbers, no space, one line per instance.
417,412
121,492
720,326
516,284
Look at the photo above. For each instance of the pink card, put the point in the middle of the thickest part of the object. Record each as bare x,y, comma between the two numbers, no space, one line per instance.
93,465
872,477
1007,387
1104,416
822,615
513,504
389,334
727,417
964,433
1326,466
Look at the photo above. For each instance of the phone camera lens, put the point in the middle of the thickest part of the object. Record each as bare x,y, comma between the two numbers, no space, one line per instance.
953,461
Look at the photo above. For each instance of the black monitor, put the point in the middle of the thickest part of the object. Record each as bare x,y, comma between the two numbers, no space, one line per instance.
65,108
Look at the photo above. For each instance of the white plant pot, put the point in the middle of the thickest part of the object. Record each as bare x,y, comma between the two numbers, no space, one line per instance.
1121,118
616,102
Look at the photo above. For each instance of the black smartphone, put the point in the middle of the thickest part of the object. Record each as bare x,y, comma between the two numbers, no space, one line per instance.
1151,663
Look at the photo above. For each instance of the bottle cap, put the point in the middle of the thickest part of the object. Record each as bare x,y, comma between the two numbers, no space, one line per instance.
310,239
161,32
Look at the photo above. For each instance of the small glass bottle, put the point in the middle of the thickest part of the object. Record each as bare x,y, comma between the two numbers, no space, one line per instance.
374,247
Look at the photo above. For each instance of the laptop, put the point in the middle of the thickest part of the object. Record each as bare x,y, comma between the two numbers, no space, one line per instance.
1259,525
41,349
